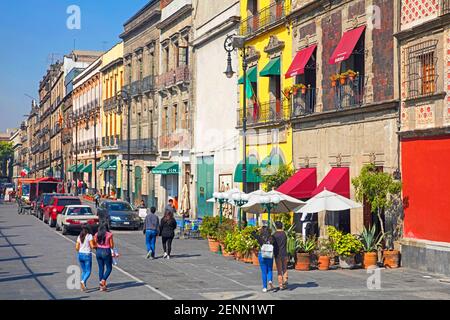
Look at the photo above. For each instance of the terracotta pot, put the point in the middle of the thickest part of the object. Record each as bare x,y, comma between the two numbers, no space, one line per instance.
391,258
342,80
248,258
227,254
352,78
303,262
324,263
238,256
333,83
255,259
303,90
213,245
370,259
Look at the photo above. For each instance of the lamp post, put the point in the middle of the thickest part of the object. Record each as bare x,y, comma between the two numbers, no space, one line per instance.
221,198
233,42
124,98
73,119
269,203
239,200
93,114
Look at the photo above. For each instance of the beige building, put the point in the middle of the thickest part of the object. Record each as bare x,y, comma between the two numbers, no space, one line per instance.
141,56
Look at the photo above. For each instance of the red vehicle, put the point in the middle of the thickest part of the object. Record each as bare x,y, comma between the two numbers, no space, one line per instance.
44,185
56,206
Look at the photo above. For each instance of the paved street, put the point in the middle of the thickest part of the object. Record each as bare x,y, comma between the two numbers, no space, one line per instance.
34,260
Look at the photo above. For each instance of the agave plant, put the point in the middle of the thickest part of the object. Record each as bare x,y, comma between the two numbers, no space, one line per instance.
371,242
305,246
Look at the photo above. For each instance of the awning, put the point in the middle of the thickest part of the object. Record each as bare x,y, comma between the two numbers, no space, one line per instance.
301,185
99,165
75,169
346,46
252,166
273,68
87,169
166,168
337,181
104,165
111,165
252,75
300,61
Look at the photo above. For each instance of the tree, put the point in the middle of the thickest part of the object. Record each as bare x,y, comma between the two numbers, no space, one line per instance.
377,188
6,152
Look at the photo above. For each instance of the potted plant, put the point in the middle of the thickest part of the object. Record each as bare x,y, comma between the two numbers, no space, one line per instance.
343,77
304,249
351,74
324,253
209,230
346,247
380,190
371,243
227,225
229,244
334,78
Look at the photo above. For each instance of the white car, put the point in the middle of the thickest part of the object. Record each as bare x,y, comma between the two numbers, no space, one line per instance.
73,217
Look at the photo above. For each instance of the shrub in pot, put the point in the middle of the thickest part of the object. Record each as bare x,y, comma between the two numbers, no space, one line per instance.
245,244
303,249
209,230
346,247
227,226
371,243
229,244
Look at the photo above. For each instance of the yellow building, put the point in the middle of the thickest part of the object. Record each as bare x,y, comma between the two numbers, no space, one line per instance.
112,82
268,42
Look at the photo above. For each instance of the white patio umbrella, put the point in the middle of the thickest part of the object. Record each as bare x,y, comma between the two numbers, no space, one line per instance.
328,201
280,202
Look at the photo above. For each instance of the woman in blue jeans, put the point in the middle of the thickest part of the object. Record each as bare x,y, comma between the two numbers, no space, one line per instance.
266,264
84,246
105,243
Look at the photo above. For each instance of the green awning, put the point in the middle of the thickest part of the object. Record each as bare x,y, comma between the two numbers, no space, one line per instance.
111,165
74,168
272,68
87,169
252,167
271,164
252,75
99,165
104,165
166,168
71,168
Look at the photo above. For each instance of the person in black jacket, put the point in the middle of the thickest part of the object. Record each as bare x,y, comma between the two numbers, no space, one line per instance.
280,254
167,232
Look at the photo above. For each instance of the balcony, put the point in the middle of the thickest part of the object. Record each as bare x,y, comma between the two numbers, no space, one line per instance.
141,146
169,79
266,113
303,103
148,84
35,148
24,139
265,18
110,104
349,94
182,74
136,88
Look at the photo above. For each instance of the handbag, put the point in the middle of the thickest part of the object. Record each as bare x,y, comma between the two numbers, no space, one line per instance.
267,251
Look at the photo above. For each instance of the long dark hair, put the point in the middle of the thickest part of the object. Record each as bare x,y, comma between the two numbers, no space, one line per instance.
168,215
84,232
101,234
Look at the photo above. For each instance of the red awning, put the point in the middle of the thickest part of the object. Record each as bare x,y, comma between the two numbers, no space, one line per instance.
337,181
301,59
345,47
301,184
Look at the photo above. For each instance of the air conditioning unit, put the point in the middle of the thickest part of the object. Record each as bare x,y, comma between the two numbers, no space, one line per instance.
165,155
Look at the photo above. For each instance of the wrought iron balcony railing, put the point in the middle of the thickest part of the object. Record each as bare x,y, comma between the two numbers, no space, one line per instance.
349,94
303,103
265,18
110,104
139,146
266,113
148,84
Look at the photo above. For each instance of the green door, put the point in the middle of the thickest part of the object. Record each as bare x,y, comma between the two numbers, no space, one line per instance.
205,186
137,185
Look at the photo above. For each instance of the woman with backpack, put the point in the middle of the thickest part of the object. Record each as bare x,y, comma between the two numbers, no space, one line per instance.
265,256
85,244
167,232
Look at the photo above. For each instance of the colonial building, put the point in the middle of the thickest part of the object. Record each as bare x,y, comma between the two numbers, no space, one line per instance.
215,150
56,102
344,109
141,66
16,164
112,81
34,144
175,95
424,38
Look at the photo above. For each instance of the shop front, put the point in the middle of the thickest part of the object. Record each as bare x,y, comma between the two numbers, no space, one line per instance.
169,172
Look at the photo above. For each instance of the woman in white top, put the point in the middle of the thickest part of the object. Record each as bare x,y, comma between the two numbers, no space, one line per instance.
84,246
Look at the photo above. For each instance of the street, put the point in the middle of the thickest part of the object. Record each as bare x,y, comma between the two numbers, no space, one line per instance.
34,260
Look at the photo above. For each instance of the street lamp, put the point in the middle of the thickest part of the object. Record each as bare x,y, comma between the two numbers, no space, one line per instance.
124,98
240,199
93,114
221,198
233,42
269,203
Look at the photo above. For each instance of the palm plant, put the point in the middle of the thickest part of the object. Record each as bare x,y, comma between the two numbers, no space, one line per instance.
305,246
371,242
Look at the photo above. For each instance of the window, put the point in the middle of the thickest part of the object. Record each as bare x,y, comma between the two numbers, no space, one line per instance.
183,56
185,117
174,118
421,77
166,61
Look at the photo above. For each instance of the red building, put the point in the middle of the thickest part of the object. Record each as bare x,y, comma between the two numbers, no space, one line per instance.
424,39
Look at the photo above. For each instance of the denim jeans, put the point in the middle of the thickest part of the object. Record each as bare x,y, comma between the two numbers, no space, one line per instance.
104,259
266,266
85,260
150,240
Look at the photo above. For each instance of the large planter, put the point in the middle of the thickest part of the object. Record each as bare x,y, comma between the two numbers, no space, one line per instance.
213,245
391,258
239,256
323,263
248,258
255,259
370,259
347,262
227,254
303,262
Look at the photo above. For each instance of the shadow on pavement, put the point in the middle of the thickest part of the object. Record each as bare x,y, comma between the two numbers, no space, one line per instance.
15,245
292,287
177,256
19,258
28,276
119,286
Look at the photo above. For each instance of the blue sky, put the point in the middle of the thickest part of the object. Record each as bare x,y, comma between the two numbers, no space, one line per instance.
34,29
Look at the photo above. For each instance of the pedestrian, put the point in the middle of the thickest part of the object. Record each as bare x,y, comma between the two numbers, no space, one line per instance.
142,205
151,226
85,186
105,244
80,186
170,206
97,199
69,186
85,244
265,256
281,255
167,232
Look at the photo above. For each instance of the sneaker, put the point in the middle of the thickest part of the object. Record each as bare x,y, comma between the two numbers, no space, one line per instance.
168,257
83,286
271,287
264,290
148,254
165,255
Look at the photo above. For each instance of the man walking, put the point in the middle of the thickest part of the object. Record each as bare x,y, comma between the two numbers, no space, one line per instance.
151,226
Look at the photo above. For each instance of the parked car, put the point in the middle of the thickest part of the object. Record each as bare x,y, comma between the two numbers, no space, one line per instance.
74,216
119,214
42,202
56,206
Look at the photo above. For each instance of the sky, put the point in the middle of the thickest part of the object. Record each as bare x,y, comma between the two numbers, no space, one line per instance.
32,30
